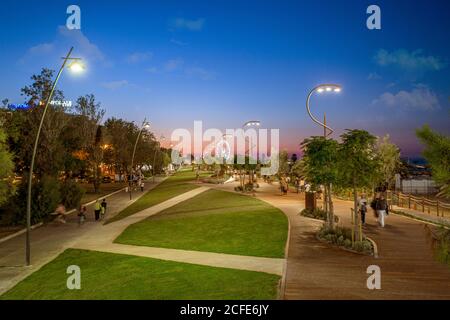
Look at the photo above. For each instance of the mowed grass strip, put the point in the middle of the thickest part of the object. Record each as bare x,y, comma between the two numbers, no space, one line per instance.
214,221
117,276
173,186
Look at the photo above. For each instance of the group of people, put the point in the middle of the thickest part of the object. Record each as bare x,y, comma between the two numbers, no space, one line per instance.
99,211
379,206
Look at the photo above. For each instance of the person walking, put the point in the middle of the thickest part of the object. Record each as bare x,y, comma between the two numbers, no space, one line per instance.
362,205
97,210
82,215
381,206
60,213
142,186
103,208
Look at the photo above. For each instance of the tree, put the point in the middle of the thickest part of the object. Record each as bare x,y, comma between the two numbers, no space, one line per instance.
6,168
283,164
320,168
89,113
49,159
437,153
388,155
358,164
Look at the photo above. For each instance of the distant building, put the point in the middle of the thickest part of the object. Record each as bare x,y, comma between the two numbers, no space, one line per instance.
415,185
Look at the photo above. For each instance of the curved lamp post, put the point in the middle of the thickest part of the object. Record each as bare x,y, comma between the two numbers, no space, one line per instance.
162,138
319,89
145,125
76,67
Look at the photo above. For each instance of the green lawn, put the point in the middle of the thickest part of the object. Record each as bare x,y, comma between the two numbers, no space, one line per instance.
215,221
169,188
116,276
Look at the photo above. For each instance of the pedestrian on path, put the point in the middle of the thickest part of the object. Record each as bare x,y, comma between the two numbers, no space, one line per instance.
362,207
142,186
103,208
60,213
381,206
82,215
97,209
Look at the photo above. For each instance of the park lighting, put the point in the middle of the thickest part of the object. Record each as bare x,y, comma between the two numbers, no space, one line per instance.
145,125
321,88
75,61
76,66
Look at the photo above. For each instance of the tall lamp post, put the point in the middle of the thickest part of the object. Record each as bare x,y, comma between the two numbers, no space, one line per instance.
75,66
145,125
320,89
162,138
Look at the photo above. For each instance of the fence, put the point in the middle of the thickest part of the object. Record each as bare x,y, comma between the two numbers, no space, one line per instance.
435,207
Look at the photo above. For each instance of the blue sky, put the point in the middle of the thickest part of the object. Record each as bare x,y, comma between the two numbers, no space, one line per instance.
226,62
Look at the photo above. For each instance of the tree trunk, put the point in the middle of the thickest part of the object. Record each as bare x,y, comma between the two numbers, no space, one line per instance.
330,206
355,208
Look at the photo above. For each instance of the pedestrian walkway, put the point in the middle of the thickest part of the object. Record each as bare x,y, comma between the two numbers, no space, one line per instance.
48,241
316,270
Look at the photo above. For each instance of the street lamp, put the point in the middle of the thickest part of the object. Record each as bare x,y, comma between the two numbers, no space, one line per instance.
145,125
162,138
76,67
319,89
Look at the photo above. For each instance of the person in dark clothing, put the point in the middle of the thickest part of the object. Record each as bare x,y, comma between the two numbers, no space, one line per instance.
382,208
362,204
104,204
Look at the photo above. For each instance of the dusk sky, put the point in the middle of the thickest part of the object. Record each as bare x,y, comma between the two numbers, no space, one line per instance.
226,62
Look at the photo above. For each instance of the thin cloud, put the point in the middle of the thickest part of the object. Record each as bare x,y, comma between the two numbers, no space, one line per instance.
138,57
200,73
114,85
186,24
64,39
419,98
173,64
414,61
373,76
178,43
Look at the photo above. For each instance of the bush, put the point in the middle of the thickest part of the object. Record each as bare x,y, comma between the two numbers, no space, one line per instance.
46,194
71,194
343,237
317,214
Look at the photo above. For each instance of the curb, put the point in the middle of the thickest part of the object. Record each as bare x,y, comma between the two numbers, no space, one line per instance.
375,247
282,284
18,233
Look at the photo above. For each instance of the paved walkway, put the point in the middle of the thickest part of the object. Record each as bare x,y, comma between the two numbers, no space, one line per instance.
48,241
316,270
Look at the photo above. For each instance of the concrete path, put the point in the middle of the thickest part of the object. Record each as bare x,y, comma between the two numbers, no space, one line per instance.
316,270
260,264
48,241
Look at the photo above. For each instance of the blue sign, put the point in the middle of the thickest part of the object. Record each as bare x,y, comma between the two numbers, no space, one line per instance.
18,106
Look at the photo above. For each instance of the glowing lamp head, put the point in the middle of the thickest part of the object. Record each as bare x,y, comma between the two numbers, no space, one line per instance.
76,67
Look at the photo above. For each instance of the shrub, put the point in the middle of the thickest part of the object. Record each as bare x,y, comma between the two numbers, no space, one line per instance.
71,194
342,237
317,214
